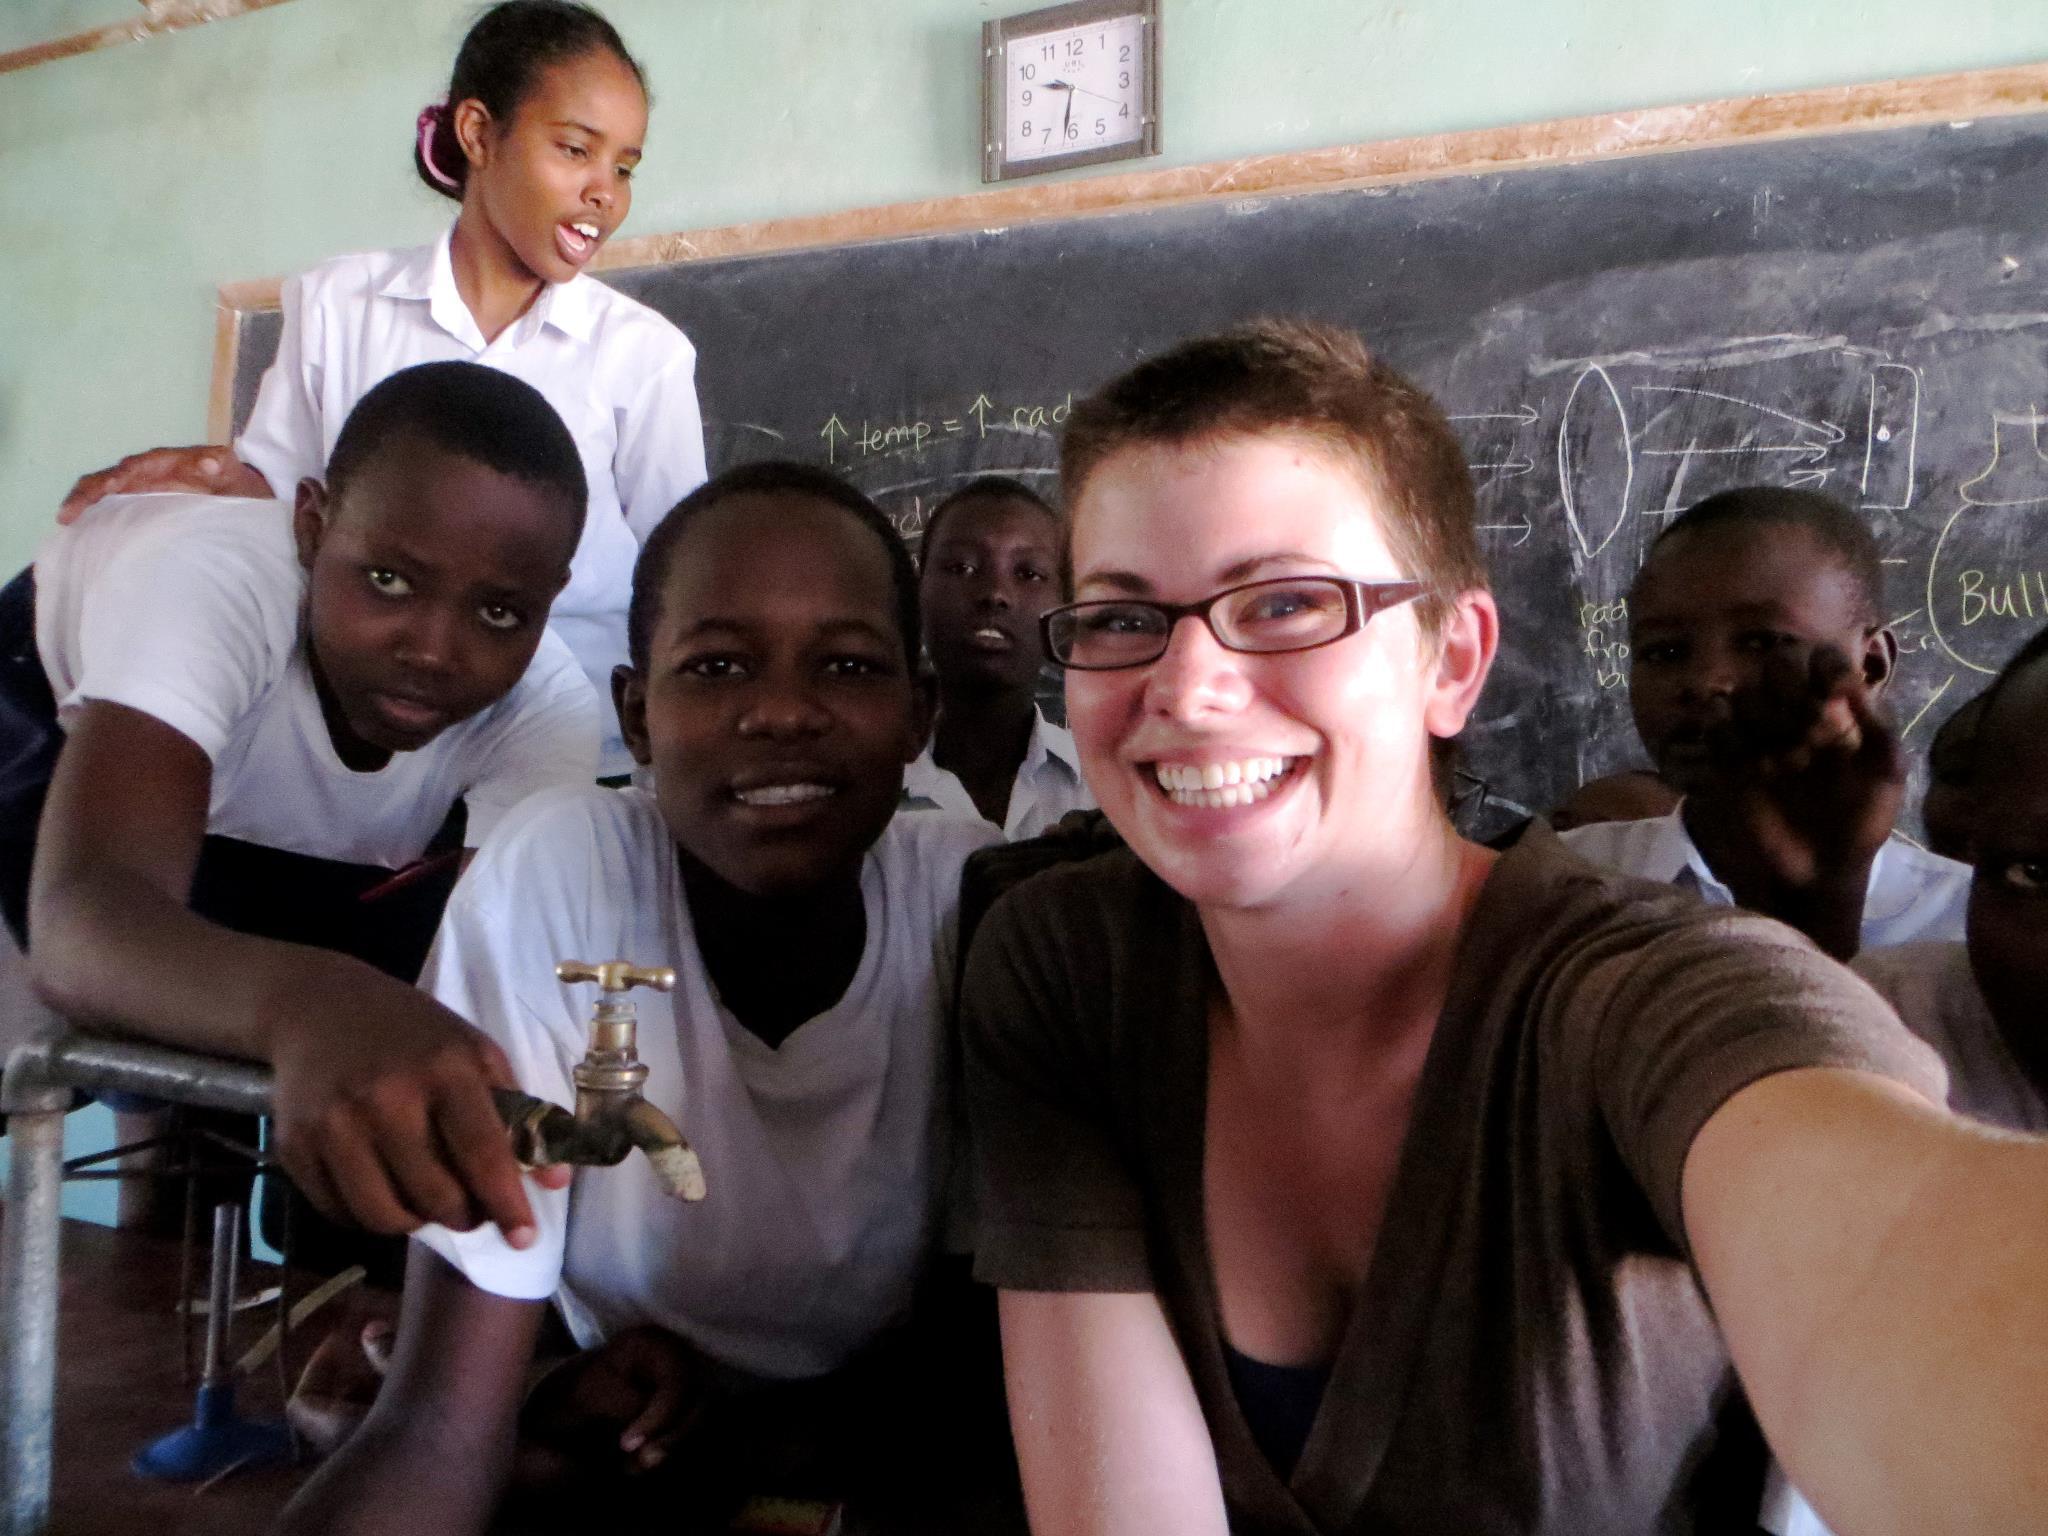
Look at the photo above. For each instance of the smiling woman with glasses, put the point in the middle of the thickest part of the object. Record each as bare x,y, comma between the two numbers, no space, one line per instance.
1340,1175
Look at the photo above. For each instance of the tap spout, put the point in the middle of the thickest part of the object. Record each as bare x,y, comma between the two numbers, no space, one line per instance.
544,1134
675,1162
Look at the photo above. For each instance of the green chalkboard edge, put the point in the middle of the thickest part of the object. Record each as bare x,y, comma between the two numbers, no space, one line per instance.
1922,99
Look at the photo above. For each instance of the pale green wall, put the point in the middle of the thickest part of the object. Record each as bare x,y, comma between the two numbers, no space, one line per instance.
137,179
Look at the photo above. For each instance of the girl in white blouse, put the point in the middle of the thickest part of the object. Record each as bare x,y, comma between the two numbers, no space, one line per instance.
538,140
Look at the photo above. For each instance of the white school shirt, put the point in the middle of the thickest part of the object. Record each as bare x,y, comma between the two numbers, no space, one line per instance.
1912,895
622,378
187,608
825,1159
1934,992
1931,988
1048,784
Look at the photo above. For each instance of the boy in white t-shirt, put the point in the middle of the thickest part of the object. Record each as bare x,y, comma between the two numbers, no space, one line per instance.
236,720
1760,655
804,1051
988,569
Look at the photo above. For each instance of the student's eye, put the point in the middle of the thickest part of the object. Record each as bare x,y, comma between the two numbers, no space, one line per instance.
713,668
1660,653
499,617
855,667
1033,574
388,582
574,151
2023,877
958,567
626,172
1757,641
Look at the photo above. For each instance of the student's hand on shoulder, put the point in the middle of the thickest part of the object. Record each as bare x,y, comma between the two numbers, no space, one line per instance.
209,469
1818,771
384,1113
624,1407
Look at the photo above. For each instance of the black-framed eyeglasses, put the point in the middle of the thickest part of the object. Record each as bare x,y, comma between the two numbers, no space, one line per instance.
1287,613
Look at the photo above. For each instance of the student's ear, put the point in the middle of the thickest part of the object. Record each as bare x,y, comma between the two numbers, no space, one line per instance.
924,708
1880,658
629,698
472,130
309,519
1465,649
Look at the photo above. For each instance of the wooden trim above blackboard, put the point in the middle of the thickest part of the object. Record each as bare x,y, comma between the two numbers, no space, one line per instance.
160,16
1651,130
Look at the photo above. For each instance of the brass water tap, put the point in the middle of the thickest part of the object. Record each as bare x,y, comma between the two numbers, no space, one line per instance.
611,1117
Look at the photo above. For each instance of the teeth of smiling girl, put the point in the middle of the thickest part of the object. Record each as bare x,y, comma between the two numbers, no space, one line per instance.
783,794
587,231
1219,785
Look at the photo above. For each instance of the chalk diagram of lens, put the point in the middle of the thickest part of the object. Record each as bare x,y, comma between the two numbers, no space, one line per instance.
1596,463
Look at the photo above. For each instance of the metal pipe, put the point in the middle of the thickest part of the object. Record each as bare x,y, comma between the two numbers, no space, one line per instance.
29,1240
220,1290
35,1094
77,1060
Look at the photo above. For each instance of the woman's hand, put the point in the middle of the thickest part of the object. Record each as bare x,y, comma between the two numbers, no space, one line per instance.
209,469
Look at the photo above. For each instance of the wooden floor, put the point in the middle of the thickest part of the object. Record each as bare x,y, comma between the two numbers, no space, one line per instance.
120,1385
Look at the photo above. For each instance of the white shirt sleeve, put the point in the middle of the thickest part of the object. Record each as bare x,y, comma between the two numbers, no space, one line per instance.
660,455
283,440
475,969
548,736
186,641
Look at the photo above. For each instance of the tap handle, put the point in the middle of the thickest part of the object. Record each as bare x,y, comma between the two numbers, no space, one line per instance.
617,975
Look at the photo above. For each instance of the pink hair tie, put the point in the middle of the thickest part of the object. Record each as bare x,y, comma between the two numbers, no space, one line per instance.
430,119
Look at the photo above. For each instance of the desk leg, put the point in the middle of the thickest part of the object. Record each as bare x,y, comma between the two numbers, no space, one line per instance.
28,1316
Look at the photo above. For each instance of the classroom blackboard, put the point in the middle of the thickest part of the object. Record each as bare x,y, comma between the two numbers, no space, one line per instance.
1865,313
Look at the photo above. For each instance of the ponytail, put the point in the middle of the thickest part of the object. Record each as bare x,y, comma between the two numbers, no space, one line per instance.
436,153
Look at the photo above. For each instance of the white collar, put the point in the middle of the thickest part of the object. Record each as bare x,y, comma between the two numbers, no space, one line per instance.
429,273
1048,741
1671,856
1670,853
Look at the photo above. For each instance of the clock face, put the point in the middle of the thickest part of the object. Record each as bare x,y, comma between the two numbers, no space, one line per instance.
1076,90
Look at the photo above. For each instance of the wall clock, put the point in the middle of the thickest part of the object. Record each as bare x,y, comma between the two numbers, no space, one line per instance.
1069,85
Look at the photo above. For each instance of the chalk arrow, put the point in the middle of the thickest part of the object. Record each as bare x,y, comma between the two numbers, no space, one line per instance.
832,431
1827,430
1810,479
1523,526
979,411
1525,416
1507,468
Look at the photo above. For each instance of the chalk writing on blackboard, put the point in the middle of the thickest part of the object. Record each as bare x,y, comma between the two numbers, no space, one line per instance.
846,444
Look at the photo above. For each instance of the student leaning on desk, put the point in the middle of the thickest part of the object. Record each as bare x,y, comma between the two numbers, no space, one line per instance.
1339,1175
304,692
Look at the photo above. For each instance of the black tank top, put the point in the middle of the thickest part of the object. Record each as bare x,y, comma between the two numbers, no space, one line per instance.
1279,1403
